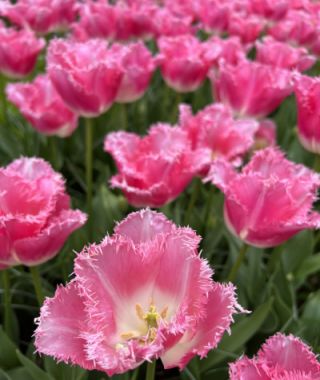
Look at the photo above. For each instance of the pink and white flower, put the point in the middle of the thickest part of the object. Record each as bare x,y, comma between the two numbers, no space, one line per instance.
251,88
143,293
19,50
43,107
281,54
307,91
214,131
35,213
155,169
138,66
85,74
41,16
183,62
280,358
270,201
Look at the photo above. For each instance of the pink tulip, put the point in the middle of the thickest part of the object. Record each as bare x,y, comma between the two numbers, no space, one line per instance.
298,27
183,62
270,9
86,75
214,15
251,88
280,358
97,20
35,213
248,27
141,294
214,131
43,107
281,54
265,135
155,169
42,16
231,50
135,21
169,24
270,201
138,66
19,51
307,91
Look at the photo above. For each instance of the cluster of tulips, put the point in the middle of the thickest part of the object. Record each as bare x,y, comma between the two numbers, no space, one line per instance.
145,293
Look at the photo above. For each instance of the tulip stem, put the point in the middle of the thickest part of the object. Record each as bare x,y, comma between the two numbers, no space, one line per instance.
36,279
234,270
151,370
3,99
192,201
7,302
124,116
316,164
53,151
89,156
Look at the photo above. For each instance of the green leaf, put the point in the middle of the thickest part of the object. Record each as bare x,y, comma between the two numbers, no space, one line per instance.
310,266
34,371
4,376
8,357
240,334
19,373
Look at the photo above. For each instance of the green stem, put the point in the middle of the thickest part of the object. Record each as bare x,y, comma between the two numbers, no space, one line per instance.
175,111
3,99
7,302
234,270
89,156
36,279
192,201
316,163
207,212
124,117
151,370
135,374
53,151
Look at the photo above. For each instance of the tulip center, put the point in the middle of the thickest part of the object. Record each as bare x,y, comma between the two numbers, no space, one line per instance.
151,319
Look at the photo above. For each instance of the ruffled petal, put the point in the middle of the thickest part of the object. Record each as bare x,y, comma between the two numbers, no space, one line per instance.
60,327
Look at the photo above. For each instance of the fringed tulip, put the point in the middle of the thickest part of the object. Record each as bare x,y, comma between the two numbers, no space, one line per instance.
143,293
36,218
169,24
248,27
298,28
270,201
42,16
214,15
280,358
43,107
251,88
155,169
281,54
307,91
270,9
138,66
19,50
214,131
231,50
135,21
265,135
97,20
183,62
86,75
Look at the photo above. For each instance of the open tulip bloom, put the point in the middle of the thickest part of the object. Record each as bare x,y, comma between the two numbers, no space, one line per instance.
270,200
43,107
85,74
36,218
280,358
155,169
143,293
